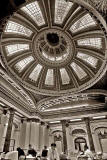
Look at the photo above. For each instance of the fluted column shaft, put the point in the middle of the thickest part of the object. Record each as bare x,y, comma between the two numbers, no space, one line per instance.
90,138
9,130
3,129
46,136
96,142
34,135
24,134
64,136
16,137
42,136
69,145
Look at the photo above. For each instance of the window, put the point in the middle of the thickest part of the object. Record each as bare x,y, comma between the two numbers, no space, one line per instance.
78,70
49,77
64,76
14,48
35,73
94,42
87,58
33,10
83,22
61,10
23,63
13,27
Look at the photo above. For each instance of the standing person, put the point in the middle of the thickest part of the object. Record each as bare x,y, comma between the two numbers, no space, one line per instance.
88,153
44,152
52,153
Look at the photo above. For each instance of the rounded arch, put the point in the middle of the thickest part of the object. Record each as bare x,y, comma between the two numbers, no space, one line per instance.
55,131
101,130
99,125
78,131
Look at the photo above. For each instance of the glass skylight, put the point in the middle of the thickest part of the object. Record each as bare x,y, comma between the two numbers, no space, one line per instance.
87,58
83,22
34,11
13,27
49,77
55,57
23,63
48,57
61,10
14,48
35,73
94,42
64,76
78,70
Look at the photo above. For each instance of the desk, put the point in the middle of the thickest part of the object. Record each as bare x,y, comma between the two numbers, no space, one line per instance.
30,158
4,159
82,158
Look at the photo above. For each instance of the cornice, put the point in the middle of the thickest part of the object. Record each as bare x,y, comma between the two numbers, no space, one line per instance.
11,100
48,102
19,88
91,110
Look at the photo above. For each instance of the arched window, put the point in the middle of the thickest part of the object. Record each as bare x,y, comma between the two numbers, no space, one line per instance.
80,142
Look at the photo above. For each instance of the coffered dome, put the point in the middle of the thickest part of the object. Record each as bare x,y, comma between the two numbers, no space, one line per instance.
55,47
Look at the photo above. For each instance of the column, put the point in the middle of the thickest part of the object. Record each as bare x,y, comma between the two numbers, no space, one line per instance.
41,142
90,138
72,144
69,145
9,130
3,129
51,139
16,137
12,142
64,136
34,136
46,136
96,142
24,134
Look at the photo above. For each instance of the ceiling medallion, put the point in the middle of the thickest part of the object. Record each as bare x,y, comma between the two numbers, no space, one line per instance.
55,47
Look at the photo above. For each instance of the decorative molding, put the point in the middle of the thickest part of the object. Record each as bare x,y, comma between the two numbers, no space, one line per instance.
95,126
49,102
19,88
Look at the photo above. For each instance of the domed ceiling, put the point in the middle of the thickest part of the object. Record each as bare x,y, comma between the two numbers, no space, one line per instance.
55,47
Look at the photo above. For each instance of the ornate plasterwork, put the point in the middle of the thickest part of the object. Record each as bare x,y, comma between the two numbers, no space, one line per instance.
77,126
61,100
101,5
14,103
19,89
50,102
58,87
94,126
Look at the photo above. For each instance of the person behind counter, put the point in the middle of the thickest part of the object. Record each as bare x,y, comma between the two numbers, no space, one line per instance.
31,151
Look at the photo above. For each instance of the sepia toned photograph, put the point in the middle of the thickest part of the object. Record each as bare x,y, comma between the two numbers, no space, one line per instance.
53,79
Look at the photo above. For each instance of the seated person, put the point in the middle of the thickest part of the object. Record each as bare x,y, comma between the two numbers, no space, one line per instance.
31,151
45,152
20,152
